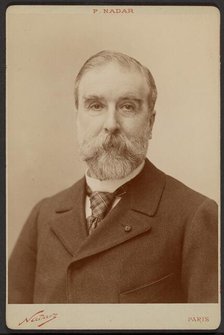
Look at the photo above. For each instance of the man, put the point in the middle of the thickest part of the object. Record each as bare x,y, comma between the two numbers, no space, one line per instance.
126,232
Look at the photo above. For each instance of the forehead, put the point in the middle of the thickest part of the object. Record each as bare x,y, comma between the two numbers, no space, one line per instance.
113,80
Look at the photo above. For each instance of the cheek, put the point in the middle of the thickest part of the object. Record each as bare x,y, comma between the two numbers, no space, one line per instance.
136,127
81,124
87,124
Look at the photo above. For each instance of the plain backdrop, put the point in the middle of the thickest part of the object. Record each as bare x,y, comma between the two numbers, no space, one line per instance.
47,45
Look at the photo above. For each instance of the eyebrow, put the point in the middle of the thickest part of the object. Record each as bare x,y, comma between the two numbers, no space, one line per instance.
131,97
92,97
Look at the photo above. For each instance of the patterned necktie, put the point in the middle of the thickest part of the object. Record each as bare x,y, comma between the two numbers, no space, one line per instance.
100,204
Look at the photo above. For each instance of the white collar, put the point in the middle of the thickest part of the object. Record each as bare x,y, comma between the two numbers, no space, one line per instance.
111,185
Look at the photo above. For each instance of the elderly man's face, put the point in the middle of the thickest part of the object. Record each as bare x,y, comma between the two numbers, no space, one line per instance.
113,120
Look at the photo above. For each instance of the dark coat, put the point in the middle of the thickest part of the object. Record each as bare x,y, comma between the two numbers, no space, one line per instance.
158,245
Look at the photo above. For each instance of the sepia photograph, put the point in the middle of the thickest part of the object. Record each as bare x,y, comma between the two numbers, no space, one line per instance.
113,167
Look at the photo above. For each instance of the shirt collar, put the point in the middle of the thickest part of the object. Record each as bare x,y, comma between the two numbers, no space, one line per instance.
111,185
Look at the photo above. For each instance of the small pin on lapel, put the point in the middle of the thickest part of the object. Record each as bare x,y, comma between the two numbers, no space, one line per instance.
127,228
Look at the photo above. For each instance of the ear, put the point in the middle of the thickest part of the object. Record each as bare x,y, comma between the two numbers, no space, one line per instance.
151,122
152,118
76,113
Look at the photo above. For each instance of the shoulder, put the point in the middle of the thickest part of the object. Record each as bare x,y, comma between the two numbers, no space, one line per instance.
171,187
186,201
177,189
176,197
63,200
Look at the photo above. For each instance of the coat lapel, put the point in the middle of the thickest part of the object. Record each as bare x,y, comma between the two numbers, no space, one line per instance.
146,189
131,217
69,221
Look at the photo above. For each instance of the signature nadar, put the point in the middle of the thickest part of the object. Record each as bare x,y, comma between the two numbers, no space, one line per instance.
40,318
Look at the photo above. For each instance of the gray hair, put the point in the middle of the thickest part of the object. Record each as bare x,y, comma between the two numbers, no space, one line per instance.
106,56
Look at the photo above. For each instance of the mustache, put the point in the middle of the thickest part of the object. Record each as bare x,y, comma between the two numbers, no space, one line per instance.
104,143
115,144
116,141
113,155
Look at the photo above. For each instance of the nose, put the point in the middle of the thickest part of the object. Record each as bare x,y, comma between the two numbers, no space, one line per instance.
111,123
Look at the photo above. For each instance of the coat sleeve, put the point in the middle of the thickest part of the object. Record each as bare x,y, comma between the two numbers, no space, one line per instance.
22,263
200,255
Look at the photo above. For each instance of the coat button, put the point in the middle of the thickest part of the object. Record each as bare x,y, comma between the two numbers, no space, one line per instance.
127,228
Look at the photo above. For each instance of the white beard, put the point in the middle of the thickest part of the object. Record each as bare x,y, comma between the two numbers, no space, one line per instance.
113,155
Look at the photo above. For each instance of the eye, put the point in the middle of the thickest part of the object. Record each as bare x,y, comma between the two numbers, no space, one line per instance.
127,107
96,106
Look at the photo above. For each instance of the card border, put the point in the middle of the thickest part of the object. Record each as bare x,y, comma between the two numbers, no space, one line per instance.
3,7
